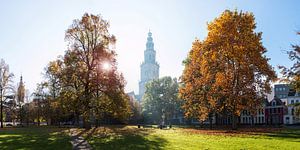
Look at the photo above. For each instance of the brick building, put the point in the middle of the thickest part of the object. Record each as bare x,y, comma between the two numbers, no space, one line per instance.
274,112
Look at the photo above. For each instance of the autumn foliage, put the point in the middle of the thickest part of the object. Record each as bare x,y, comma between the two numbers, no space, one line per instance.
85,82
228,70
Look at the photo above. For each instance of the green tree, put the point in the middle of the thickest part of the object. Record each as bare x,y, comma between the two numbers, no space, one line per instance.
42,108
161,98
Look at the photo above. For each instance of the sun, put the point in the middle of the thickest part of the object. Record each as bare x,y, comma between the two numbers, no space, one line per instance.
106,66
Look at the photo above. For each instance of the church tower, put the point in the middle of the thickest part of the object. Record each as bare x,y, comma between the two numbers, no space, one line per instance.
149,68
21,91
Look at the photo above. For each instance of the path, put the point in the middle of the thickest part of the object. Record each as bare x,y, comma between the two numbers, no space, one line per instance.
78,142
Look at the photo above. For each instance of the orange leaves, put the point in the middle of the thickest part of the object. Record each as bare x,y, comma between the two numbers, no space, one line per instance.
220,79
224,67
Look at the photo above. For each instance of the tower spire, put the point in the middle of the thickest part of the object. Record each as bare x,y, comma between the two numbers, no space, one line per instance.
149,68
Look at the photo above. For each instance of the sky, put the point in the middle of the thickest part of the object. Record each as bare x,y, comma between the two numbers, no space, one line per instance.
32,31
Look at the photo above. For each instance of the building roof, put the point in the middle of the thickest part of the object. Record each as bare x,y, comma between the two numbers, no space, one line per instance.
277,100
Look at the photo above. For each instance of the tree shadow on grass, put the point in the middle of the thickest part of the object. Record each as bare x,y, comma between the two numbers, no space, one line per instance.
288,135
126,138
33,138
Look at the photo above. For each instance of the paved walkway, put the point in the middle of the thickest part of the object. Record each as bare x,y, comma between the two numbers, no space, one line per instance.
78,142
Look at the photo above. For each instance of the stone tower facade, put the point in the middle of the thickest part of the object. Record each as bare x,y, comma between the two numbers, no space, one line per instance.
149,68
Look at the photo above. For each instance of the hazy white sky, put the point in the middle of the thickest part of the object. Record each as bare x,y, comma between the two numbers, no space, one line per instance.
32,32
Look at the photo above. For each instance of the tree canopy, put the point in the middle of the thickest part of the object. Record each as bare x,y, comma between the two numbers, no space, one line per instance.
292,74
161,98
85,80
228,70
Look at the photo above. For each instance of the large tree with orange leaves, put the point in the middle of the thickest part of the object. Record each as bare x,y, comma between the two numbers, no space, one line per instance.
228,70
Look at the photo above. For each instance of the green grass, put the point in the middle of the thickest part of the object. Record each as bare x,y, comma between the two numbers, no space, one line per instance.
34,138
132,138
191,139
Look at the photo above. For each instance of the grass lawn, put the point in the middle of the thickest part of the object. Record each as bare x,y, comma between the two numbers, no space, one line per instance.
34,138
129,137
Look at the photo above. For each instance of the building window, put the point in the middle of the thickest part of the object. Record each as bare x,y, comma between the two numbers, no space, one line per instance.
262,111
292,101
297,101
273,103
292,111
262,119
278,110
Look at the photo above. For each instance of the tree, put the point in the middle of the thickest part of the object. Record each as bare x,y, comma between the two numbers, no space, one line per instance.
5,85
228,70
161,98
199,99
41,103
292,74
85,80
90,40
135,107
54,86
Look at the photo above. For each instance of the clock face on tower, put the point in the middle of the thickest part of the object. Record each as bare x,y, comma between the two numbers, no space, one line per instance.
149,67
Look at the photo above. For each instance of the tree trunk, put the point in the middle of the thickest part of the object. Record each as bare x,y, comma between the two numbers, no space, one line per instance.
38,114
86,123
97,122
210,122
77,119
20,114
27,122
234,123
